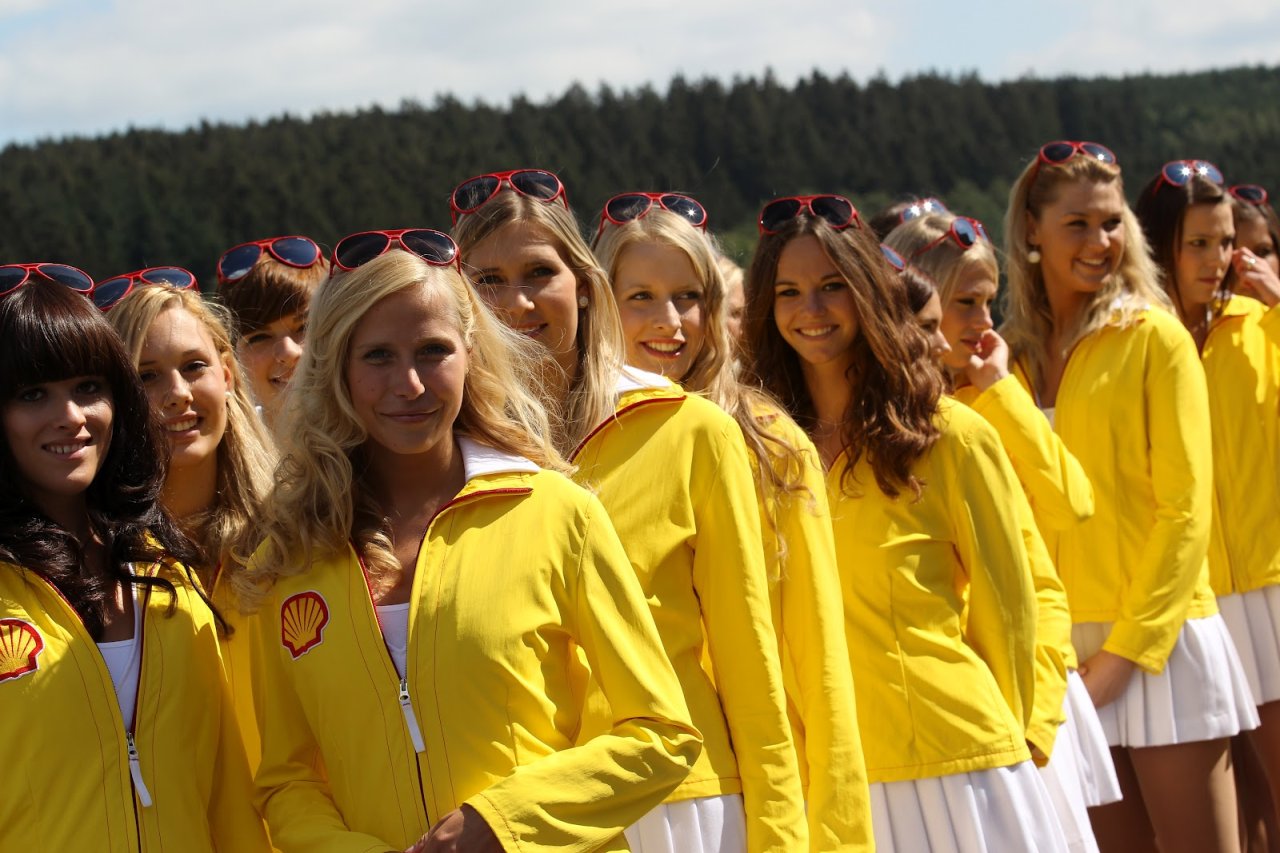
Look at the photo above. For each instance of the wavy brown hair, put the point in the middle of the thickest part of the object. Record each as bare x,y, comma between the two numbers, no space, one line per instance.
896,386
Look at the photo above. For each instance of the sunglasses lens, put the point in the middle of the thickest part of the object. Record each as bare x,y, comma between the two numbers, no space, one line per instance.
11,277
295,251
236,263
1058,152
777,213
1208,171
965,232
111,291
536,183
69,276
471,194
837,211
682,205
1251,193
1098,152
359,249
624,208
895,260
174,277
432,246
1178,172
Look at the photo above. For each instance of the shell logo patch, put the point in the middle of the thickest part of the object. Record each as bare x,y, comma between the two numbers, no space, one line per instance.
20,648
302,621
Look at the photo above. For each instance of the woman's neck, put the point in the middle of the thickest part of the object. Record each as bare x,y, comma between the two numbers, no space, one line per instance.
410,485
831,391
1066,307
191,489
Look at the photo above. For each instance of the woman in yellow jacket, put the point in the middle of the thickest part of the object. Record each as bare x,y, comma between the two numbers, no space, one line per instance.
221,459
438,598
956,253
928,520
118,725
673,472
672,299
1192,234
1090,328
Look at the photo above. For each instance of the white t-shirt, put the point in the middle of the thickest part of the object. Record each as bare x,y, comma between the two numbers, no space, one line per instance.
394,619
124,661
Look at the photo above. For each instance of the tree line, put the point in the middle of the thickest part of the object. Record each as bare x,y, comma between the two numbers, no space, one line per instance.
145,197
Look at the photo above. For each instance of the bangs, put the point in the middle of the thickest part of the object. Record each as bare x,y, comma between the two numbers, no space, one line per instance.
268,293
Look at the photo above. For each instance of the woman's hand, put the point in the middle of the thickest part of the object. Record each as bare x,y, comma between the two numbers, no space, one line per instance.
990,363
460,831
1106,675
1255,277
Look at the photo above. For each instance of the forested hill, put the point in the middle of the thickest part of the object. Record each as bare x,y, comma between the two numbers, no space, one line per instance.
148,197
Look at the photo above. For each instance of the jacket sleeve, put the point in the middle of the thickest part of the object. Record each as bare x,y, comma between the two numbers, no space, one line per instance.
234,821
989,541
1055,481
1053,639
293,794
581,797
816,670
1163,582
730,579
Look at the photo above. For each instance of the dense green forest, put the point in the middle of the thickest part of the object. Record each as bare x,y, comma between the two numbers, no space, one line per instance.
145,197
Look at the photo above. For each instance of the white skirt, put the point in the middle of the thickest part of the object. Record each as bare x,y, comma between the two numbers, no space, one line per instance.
985,811
1080,774
1253,618
700,825
1201,695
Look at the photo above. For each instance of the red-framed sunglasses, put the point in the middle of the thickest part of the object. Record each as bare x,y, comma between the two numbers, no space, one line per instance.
1179,173
964,231
435,247
837,210
895,260
1249,193
625,207
13,276
293,250
922,207
1060,151
473,193
110,291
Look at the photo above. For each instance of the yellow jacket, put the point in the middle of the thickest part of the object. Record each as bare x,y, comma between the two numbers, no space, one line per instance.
1242,365
808,617
235,650
673,472
1060,495
516,575
66,746
938,693
1133,409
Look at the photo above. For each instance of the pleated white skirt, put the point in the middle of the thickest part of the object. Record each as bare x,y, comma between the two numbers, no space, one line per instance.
1080,774
700,825
1253,618
985,811
1202,694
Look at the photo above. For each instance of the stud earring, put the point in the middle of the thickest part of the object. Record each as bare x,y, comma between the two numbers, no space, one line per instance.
1034,256
583,302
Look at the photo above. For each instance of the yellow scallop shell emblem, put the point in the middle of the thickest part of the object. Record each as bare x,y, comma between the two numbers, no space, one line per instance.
20,647
302,620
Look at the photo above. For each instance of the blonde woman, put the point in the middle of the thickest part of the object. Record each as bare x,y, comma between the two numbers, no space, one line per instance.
436,585
1093,337
673,472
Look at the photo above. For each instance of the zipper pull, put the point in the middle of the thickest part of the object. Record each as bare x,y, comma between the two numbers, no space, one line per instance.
135,771
411,719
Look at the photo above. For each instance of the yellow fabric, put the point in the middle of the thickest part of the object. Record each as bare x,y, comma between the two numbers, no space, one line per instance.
808,617
1242,366
938,693
235,648
673,472
1133,409
516,576
64,741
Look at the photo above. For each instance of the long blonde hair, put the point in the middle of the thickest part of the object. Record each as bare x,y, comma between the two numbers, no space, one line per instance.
601,350
947,262
226,532
1133,287
321,500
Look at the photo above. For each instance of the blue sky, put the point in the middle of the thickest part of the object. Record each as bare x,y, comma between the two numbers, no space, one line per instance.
87,67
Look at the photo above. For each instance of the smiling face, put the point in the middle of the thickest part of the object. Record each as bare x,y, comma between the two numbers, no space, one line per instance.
967,315
1203,254
813,306
269,356
663,308
59,434
519,271
930,320
406,370
187,384
1080,235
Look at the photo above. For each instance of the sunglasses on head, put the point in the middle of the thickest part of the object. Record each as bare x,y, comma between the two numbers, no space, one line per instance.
13,276
1063,150
837,210
625,207
293,251
922,207
895,260
1249,193
964,231
107,293
473,193
1179,173
435,247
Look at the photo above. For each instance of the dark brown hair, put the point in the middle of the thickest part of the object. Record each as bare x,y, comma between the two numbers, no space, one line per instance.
1161,208
271,290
